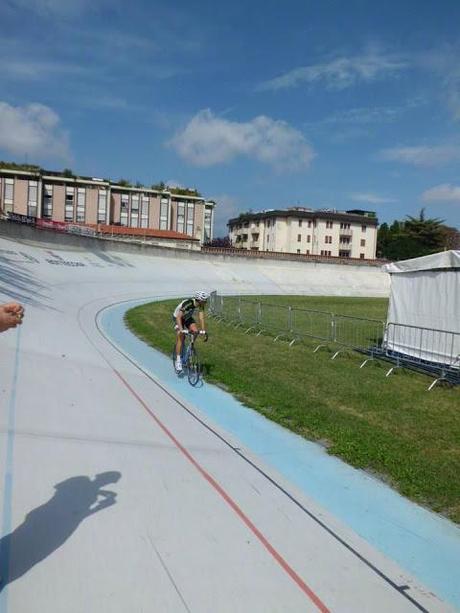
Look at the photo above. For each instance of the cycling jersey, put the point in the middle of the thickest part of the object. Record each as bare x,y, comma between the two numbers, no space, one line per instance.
188,307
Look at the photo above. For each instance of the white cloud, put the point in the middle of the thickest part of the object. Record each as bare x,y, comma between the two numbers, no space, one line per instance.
370,198
422,156
208,140
36,70
339,73
442,193
59,8
443,62
33,129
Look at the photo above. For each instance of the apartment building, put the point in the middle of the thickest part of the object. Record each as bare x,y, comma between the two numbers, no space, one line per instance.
307,231
89,200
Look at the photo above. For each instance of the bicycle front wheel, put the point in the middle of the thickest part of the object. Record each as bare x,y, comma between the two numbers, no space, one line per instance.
193,368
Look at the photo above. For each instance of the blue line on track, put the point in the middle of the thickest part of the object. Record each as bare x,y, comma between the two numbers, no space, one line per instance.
8,483
423,543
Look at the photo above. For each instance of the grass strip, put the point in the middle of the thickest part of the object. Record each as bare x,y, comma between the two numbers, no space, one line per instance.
391,427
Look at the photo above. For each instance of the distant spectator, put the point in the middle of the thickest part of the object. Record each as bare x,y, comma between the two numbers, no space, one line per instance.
11,315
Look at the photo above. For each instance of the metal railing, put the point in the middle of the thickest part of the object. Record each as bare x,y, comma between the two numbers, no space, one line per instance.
296,323
430,350
433,352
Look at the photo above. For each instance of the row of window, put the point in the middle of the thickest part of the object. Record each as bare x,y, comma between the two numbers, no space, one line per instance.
310,223
134,211
136,215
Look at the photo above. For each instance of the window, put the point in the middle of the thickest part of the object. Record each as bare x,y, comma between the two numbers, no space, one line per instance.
134,211
8,194
300,223
48,202
102,206
124,207
164,210
299,238
180,226
323,252
298,250
328,239
363,242
81,204
308,238
32,199
307,251
344,226
309,223
329,224
190,217
144,212
344,240
344,254
363,228
361,255
208,223
69,204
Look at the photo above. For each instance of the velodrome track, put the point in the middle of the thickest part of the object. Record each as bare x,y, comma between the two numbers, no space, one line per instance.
199,523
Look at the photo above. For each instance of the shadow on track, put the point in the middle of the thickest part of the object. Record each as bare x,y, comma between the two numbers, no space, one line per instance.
18,284
47,527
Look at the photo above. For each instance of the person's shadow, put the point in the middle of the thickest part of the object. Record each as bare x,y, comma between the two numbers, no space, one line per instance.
48,526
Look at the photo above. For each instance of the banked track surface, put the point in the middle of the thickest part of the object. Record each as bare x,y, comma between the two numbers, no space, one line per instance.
195,526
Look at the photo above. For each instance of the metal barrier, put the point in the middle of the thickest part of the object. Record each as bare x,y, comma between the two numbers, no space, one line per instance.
429,350
360,334
433,352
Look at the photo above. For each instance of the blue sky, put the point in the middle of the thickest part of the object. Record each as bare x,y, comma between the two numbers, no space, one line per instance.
256,104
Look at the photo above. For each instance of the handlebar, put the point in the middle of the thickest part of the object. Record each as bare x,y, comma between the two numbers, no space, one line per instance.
199,333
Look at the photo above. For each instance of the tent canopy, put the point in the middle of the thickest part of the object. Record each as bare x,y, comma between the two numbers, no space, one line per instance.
436,261
424,310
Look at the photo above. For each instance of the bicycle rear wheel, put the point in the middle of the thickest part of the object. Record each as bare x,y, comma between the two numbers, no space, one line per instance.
193,368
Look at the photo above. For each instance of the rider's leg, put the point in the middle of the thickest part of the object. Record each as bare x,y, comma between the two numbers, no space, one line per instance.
179,341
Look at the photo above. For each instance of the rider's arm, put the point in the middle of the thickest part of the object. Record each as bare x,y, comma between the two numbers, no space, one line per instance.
179,318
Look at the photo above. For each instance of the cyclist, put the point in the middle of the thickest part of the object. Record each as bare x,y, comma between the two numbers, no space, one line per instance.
183,319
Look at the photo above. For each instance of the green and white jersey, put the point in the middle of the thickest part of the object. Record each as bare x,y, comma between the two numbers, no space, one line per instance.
188,307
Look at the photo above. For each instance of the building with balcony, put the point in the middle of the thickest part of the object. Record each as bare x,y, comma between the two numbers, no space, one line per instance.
307,231
88,200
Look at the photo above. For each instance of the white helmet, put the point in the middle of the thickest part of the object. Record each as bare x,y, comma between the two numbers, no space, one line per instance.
202,296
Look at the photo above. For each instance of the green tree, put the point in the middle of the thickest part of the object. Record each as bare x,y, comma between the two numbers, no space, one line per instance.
413,237
426,233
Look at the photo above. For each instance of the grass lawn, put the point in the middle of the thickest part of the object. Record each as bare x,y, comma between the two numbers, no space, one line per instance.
391,426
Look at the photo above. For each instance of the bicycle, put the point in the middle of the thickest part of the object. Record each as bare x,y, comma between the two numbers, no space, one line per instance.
190,361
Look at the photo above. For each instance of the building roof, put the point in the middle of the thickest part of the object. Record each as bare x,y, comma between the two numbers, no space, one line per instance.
307,214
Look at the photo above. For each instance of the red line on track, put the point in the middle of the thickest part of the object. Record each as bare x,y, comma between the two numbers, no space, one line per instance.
281,561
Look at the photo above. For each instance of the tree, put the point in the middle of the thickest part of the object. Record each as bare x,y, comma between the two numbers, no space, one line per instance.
414,237
67,172
124,183
426,232
451,237
222,242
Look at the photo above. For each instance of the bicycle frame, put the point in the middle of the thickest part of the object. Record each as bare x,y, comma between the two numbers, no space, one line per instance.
189,358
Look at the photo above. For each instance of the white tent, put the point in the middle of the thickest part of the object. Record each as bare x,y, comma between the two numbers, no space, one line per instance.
424,312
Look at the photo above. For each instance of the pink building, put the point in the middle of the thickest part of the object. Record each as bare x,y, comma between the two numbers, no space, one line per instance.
60,197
